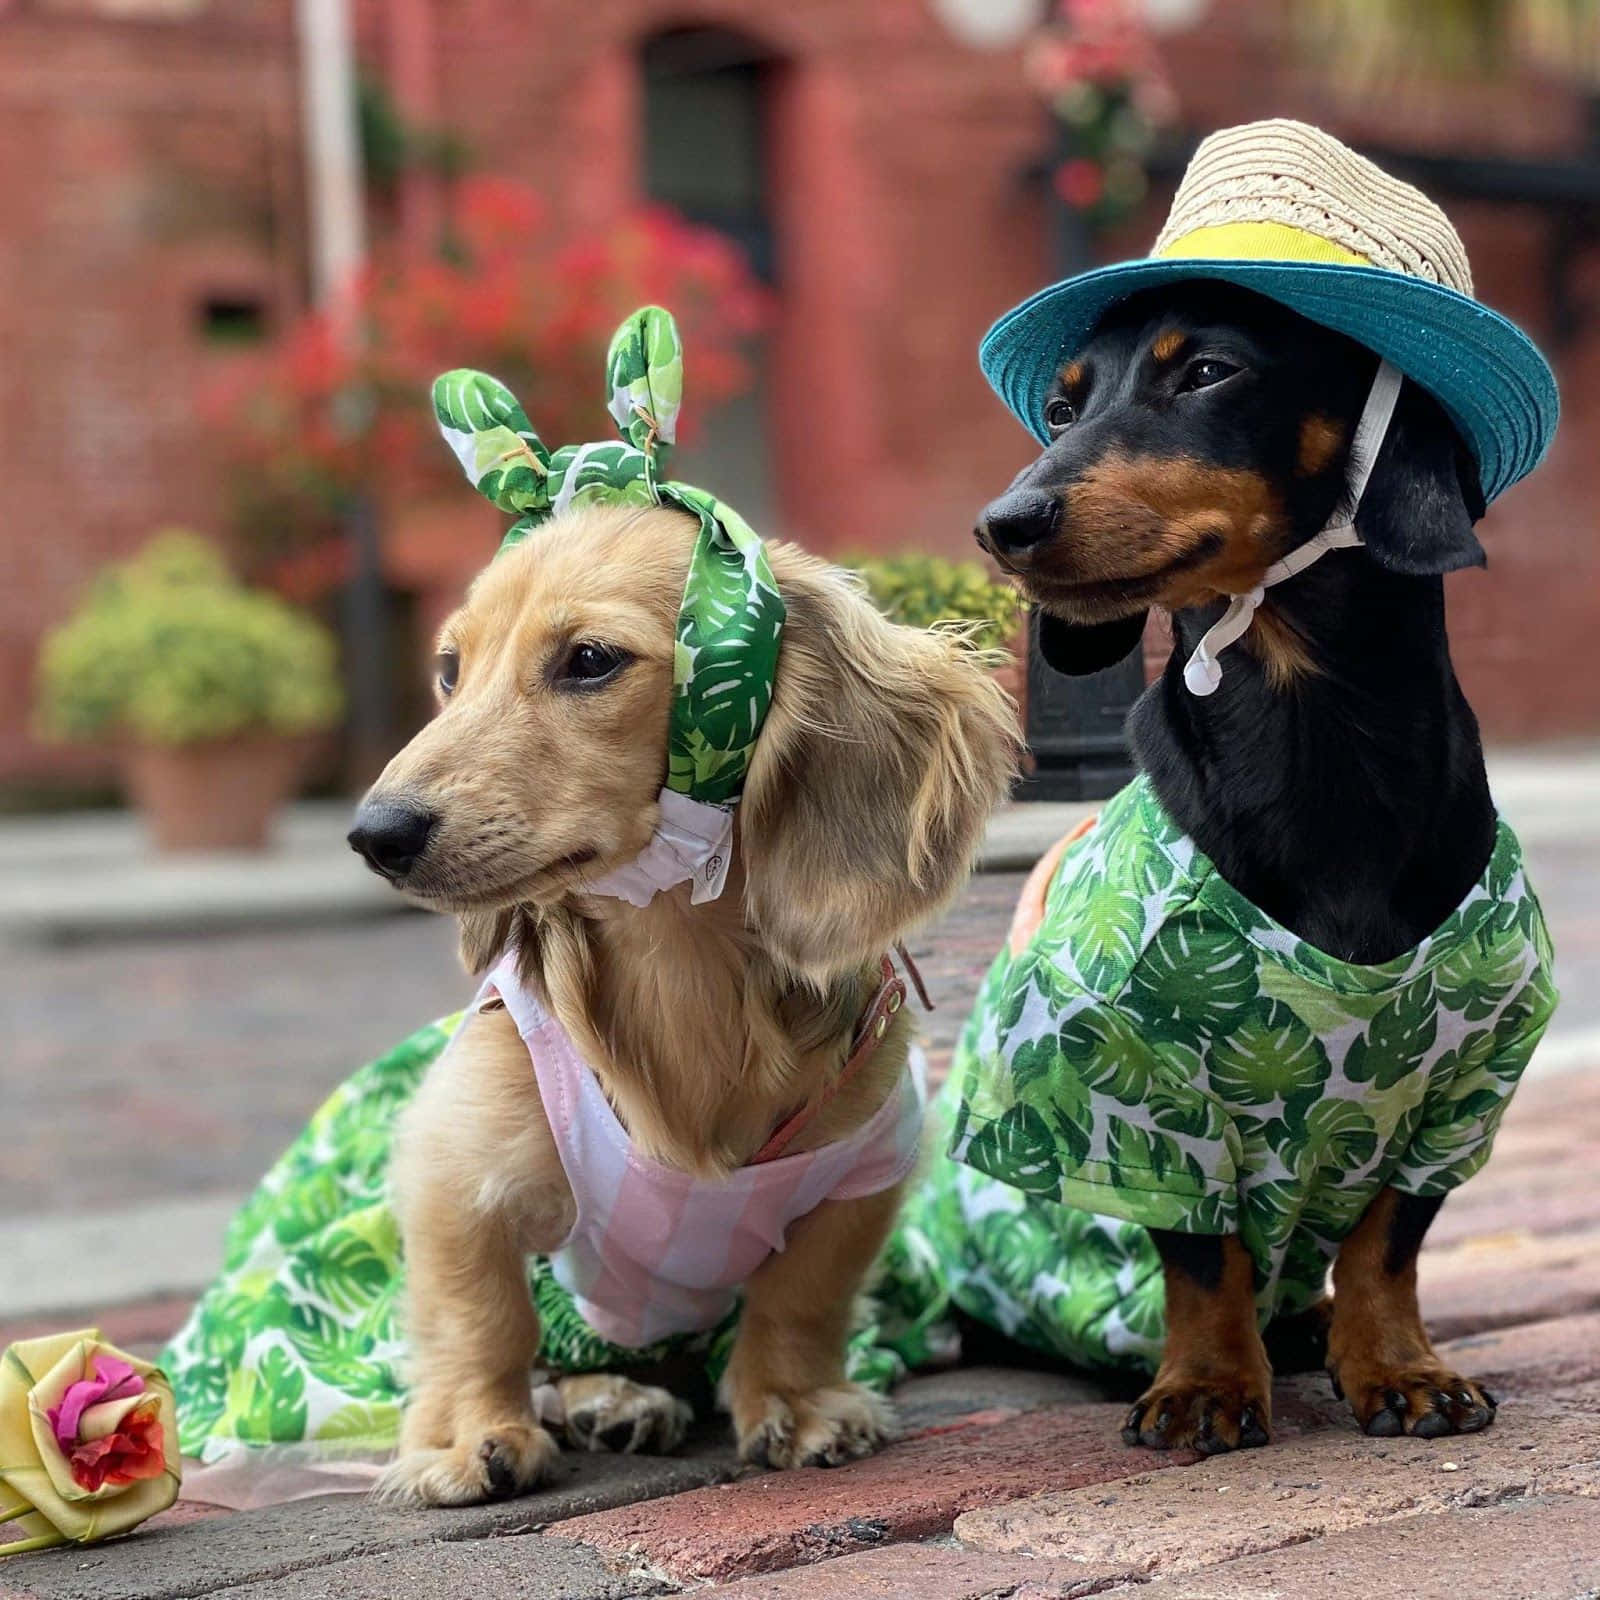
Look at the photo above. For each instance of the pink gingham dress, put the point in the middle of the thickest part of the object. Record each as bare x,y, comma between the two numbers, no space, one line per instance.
655,1251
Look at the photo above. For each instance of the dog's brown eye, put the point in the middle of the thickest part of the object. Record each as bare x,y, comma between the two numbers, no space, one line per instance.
1059,413
592,663
448,666
1204,373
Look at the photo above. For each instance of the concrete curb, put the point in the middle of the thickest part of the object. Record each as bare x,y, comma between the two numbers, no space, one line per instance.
64,1263
93,876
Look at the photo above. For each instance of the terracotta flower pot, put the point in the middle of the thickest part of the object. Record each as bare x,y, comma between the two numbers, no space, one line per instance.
217,795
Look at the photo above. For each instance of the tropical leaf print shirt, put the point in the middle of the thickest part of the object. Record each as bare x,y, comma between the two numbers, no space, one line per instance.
1164,1052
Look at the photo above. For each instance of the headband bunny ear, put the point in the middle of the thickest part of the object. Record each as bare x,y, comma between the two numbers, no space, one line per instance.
644,373
730,621
503,458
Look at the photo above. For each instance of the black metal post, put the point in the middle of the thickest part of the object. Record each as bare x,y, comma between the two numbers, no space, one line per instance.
1075,728
1075,725
363,633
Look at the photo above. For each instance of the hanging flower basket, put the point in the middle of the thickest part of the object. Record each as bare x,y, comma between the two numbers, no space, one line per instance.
1099,73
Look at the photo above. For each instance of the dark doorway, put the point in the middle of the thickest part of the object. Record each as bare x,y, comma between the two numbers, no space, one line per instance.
705,153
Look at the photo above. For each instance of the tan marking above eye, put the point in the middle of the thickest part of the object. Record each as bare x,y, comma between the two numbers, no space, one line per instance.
1168,343
1320,438
1072,375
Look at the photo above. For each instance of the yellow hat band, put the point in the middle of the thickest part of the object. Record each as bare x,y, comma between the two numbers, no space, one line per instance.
1258,241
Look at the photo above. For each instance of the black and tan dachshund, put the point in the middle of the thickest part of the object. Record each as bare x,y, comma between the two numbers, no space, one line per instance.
1336,777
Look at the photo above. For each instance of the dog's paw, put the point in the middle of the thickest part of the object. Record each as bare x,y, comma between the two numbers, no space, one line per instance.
611,1413
506,1460
824,1428
1426,1400
1211,1414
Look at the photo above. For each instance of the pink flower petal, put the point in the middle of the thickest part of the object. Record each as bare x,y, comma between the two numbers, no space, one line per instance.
109,1379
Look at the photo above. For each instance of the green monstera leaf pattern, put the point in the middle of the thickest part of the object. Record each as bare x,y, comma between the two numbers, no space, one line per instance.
1194,1066
730,622
299,1340
730,626
492,439
644,369
1079,1116
1018,1149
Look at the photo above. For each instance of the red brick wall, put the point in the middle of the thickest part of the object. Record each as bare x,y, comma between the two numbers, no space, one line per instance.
142,164
902,226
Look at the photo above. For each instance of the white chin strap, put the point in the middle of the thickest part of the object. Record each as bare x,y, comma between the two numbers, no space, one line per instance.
1203,671
692,843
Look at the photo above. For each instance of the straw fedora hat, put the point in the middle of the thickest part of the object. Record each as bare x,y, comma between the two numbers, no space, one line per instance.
1290,212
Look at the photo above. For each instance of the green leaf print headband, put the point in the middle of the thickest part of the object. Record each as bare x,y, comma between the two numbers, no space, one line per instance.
731,618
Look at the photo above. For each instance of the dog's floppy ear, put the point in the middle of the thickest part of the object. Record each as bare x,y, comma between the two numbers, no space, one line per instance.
1077,649
884,752
1422,499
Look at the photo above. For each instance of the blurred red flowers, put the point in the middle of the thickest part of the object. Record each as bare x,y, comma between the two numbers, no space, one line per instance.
1100,73
330,411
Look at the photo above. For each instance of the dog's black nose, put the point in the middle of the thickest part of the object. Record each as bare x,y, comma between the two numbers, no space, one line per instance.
1018,521
391,834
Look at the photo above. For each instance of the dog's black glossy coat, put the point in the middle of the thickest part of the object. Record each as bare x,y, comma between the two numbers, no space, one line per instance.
1352,805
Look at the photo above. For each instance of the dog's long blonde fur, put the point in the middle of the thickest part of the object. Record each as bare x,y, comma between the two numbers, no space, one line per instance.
883,754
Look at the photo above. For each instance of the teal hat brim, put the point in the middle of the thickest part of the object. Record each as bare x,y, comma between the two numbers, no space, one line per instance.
1484,370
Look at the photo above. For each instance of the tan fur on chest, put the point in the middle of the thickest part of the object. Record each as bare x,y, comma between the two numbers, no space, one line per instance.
707,1026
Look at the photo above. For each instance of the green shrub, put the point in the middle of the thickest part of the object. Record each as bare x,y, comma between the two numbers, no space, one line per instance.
169,648
921,590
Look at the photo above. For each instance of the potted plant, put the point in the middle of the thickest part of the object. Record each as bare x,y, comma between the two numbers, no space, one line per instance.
209,693
922,591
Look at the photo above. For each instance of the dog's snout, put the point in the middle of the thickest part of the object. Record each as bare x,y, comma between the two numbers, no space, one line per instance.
391,834
1018,521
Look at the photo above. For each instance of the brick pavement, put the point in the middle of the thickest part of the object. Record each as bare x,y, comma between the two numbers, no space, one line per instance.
1013,1483
1007,1484
140,1070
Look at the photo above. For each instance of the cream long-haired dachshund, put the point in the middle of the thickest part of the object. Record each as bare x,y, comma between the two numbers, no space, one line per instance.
706,1026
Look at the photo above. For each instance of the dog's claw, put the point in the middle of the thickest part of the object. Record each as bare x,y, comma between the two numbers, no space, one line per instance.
499,1467
1385,1424
1432,1425
822,1428
1429,1403
607,1412
618,1436
1207,1441
1130,1428
1210,1418
1251,1433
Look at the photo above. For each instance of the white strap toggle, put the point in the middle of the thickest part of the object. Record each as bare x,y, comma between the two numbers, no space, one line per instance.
1202,673
692,842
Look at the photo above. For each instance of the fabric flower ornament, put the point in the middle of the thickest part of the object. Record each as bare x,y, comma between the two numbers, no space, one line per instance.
730,622
88,1441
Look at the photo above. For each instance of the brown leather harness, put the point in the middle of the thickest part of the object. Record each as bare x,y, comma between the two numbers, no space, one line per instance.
870,1033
